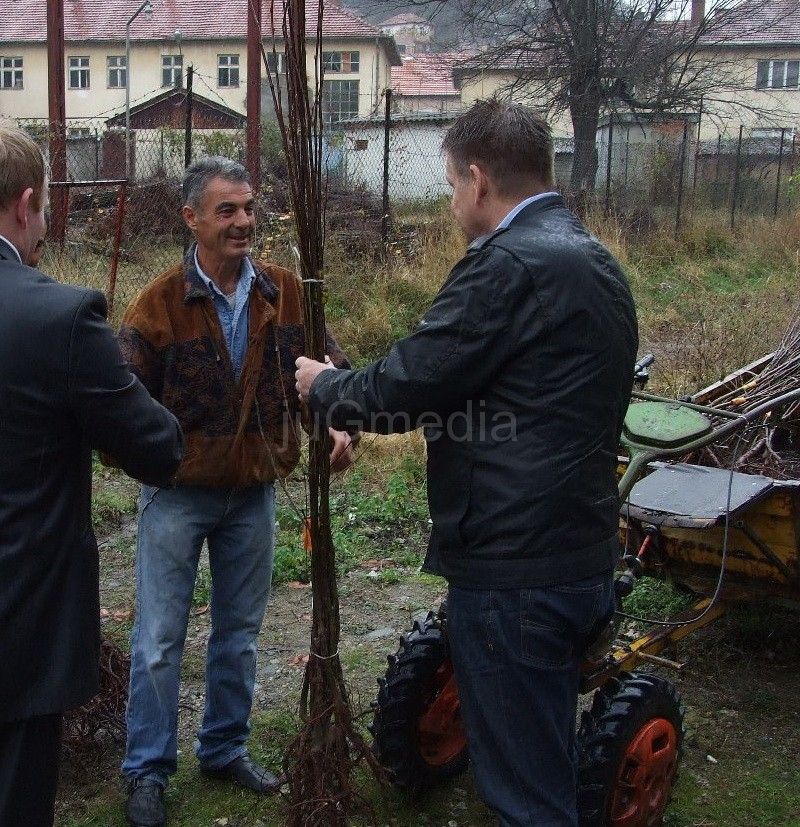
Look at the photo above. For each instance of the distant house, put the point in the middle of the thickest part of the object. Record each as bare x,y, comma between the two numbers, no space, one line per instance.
423,84
758,53
416,167
179,33
412,33
756,56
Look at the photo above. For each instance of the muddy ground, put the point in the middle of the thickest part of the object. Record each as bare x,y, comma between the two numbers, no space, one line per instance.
739,684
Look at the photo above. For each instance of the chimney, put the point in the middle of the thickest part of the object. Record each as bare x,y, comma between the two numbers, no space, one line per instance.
698,12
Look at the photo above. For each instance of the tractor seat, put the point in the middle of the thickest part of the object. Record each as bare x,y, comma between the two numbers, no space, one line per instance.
663,425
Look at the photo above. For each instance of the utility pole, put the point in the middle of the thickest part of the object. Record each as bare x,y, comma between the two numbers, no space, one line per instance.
253,133
57,114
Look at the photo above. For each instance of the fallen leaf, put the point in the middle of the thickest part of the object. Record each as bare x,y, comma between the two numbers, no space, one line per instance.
296,584
298,660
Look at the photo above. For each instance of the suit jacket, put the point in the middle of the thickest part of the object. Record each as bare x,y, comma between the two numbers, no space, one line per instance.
64,390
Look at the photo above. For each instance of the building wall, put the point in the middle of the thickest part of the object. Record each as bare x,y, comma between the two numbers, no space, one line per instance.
499,82
416,166
740,102
426,104
145,75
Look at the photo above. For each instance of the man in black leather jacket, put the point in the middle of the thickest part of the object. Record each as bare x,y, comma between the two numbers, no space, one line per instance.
521,373
64,390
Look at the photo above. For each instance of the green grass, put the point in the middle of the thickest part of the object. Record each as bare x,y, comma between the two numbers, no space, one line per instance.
739,791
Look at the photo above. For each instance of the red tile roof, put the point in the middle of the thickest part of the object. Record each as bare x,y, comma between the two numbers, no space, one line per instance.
426,74
25,20
758,22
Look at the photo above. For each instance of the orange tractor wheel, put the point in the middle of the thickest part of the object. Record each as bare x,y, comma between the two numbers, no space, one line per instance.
419,738
629,744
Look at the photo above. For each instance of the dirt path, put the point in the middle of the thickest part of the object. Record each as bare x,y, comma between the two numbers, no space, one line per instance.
740,686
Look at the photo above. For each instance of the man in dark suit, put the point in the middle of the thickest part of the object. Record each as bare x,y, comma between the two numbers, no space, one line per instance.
64,390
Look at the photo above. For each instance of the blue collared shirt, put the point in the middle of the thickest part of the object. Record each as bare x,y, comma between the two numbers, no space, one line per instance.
520,207
233,319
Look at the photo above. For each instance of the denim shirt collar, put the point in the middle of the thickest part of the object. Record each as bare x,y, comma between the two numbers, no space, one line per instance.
195,287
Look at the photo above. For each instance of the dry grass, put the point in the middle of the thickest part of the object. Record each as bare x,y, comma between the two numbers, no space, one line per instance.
707,302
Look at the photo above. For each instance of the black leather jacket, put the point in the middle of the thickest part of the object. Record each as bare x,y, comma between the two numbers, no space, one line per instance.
521,373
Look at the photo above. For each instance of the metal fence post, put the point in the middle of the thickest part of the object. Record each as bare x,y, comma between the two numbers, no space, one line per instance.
387,127
697,154
682,163
187,141
778,177
608,163
57,112
735,192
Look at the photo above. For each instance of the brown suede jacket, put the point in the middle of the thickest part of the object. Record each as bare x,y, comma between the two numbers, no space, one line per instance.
236,433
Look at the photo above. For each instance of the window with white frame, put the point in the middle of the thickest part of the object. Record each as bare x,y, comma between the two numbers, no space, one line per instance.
79,132
10,73
276,63
340,61
228,70
79,72
339,101
117,71
171,70
778,74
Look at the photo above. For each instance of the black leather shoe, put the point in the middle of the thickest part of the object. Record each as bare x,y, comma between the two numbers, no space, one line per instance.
145,806
245,772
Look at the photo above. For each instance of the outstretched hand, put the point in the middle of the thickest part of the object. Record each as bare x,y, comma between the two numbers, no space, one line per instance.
307,372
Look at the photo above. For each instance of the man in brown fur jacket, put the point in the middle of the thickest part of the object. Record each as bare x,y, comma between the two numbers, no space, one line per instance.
214,339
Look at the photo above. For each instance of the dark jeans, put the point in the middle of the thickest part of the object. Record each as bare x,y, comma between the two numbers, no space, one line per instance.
517,655
29,755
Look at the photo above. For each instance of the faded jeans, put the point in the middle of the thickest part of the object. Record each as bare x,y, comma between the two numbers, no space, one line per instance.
516,655
239,525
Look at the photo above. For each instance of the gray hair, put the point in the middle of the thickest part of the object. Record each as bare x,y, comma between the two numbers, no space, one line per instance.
198,174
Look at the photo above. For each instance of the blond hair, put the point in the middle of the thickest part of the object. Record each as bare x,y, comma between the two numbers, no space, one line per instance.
21,166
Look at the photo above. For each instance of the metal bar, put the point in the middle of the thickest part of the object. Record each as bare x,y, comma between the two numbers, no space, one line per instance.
758,541
387,128
105,182
680,176
608,162
253,102
112,275
697,154
735,192
187,137
57,114
652,642
778,180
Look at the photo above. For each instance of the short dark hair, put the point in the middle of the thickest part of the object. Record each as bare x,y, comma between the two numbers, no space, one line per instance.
510,142
198,174
21,166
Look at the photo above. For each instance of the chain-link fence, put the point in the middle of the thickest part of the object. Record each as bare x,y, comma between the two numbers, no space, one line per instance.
124,226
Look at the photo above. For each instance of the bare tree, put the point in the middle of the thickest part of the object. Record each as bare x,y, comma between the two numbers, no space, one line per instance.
592,57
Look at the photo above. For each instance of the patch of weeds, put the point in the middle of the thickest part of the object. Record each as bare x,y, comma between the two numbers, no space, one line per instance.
291,562
655,599
110,505
389,577
202,585
738,793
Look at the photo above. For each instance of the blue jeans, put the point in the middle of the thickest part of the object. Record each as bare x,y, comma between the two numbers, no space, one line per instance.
516,655
239,525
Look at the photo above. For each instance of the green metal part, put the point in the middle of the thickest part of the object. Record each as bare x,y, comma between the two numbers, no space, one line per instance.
663,425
